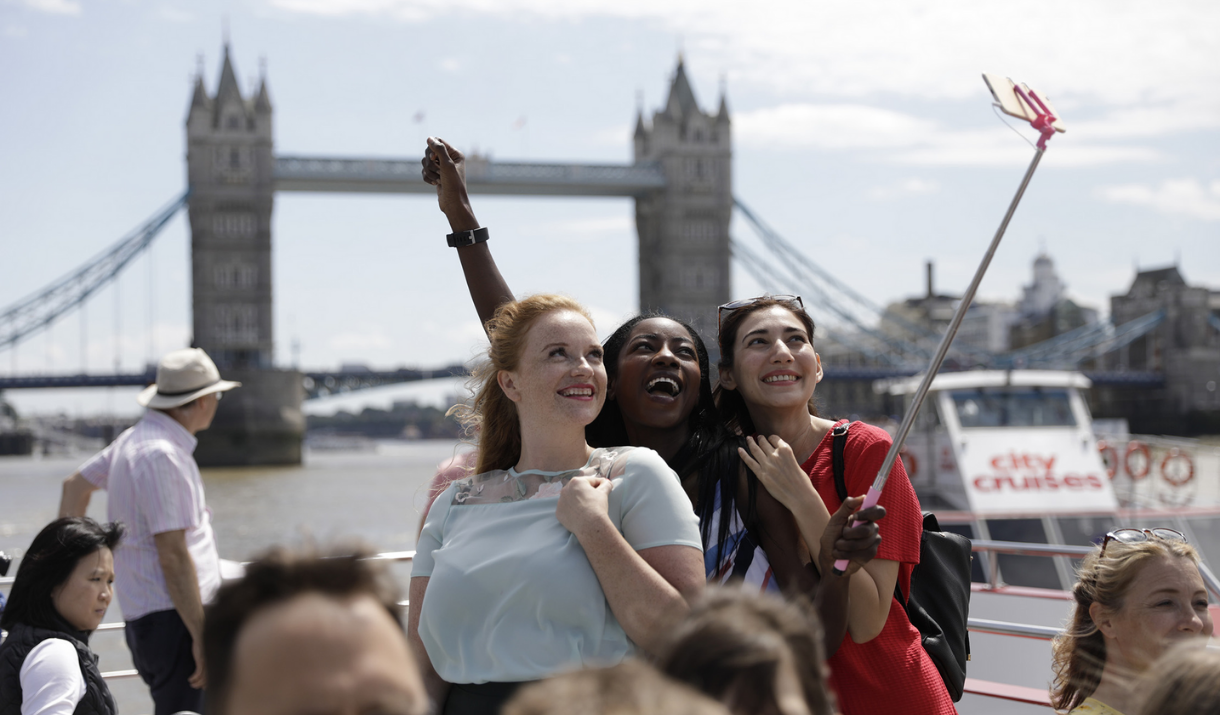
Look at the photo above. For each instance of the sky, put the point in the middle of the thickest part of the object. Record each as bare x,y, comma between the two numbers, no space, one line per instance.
862,132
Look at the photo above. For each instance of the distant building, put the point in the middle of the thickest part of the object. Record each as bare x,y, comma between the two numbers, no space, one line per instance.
1045,311
985,325
988,326
1185,348
931,311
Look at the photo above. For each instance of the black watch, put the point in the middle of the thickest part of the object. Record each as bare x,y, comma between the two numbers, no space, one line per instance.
460,239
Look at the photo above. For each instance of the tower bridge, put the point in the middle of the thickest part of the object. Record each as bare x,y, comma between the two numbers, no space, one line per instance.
680,180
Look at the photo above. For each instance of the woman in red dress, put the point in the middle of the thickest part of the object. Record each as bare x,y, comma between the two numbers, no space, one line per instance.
768,372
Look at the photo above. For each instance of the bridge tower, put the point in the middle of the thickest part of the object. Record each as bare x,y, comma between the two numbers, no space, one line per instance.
230,169
684,228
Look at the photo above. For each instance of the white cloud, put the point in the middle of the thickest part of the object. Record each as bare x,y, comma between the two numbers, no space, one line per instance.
913,186
831,126
900,138
1179,197
613,136
175,14
55,7
450,64
1088,53
15,31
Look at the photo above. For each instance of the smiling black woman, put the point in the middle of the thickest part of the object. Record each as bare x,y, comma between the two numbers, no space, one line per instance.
660,396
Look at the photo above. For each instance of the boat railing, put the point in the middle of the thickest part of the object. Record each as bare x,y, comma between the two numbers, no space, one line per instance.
995,583
1032,696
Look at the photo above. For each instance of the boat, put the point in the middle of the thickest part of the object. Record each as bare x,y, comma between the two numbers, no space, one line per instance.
1013,460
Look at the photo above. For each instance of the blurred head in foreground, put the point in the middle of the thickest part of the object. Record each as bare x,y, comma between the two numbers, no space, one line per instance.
629,688
303,633
1185,680
758,654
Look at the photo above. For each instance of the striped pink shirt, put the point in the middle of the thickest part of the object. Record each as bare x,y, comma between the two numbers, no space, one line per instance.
154,486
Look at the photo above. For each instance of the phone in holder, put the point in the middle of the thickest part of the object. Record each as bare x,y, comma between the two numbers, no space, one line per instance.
1012,104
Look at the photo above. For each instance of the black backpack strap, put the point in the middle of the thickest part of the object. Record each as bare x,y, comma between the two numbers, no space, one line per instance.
836,458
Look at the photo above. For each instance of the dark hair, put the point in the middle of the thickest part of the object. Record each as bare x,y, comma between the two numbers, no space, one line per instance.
710,449
732,405
734,642
609,430
48,563
629,688
275,577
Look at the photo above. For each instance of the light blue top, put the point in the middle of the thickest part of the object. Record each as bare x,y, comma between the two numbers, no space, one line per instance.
511,595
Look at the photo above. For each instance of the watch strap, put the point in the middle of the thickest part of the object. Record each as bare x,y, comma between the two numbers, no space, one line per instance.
461,239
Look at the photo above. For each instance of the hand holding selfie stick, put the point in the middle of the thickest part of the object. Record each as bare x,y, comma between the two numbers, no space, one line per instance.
1018,101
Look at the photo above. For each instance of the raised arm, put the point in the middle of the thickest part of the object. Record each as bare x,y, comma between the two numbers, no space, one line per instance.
648,591
445,168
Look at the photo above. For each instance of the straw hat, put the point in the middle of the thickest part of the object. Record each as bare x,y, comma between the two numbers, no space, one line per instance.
182,376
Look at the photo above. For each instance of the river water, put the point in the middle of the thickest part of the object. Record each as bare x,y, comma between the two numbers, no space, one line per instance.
374,495
377,495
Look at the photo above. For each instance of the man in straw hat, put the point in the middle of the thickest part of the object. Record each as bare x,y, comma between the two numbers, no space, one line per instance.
167,566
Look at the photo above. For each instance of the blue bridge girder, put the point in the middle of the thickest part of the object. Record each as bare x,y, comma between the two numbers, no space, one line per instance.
323,384
483,176
316,383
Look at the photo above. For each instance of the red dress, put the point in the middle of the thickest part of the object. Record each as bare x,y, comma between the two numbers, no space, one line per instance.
892,672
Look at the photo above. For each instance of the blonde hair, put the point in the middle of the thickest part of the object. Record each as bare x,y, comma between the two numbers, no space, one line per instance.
1184,680
491,415
1079,654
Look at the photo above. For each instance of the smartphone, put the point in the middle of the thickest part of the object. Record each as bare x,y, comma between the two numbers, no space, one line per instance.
1010,103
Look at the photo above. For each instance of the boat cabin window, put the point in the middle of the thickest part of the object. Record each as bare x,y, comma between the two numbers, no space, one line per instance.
1022,570
1084,531
1014,407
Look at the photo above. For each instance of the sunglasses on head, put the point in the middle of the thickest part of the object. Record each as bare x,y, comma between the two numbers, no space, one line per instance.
1135,536
737,304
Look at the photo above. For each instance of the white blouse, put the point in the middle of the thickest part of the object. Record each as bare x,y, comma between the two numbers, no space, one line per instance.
51,680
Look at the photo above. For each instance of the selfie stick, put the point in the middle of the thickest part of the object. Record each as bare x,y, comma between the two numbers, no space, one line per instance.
1042,122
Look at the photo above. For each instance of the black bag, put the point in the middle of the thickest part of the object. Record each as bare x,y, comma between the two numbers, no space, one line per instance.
939,602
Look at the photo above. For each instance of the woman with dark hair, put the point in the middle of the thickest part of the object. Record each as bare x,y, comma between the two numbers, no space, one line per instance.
768,373
660,397
58,599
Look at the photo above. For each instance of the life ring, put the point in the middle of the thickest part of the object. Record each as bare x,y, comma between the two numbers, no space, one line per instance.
909,461
1180,480
1109,457
1136,447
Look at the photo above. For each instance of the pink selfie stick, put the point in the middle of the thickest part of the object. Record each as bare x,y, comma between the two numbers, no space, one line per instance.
1042,122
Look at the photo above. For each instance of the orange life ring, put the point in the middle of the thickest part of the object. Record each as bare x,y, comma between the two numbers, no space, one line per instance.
909,461
1174,455
1134,447
1111,464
